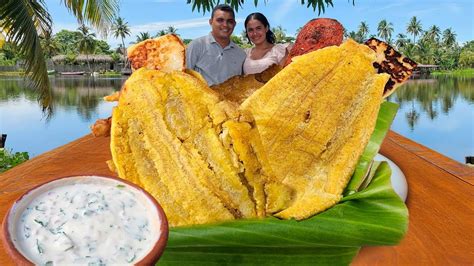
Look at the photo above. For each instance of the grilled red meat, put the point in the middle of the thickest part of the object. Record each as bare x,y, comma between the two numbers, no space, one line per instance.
316,34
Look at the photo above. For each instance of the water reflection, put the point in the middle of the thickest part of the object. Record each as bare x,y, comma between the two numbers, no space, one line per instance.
434,96
438,113
77,103
69,93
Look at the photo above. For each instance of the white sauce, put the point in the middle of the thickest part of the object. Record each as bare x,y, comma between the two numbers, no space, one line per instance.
95,222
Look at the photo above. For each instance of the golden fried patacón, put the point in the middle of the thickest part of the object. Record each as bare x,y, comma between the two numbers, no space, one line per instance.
165,53
165,138
314,122
286,149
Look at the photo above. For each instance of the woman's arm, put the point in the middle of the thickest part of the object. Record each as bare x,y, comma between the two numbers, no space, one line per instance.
285,53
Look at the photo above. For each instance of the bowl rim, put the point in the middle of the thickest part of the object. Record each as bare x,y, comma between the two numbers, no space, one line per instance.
150,258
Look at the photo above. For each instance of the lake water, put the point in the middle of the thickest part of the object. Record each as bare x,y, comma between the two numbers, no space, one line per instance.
438,113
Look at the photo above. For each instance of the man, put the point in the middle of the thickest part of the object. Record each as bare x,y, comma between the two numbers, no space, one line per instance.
215,56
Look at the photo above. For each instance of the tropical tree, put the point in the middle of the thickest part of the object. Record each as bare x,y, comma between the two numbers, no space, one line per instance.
466,57
409,50
120,29
363,30
237,40
356,36
161,33
143,36
168,30
171,30
401,41
67,41
424,51
49,45
280,35
449,37
102,47
86,43
385,30
414,27
24,21
433,33
207,5
298,30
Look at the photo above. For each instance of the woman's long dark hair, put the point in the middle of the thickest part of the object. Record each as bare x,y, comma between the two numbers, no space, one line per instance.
260,17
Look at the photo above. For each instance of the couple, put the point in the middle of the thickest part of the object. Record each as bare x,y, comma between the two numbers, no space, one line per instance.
217,58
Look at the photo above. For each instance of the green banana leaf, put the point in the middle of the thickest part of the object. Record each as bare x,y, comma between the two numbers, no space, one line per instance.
385,118
373,216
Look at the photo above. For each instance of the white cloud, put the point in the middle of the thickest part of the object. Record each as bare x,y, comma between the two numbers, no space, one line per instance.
179,24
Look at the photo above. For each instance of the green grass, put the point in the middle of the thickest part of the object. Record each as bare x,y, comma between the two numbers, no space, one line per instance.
111,74
8,159
12,73
466,72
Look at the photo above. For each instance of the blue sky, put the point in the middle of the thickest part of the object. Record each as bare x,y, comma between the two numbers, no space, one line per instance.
154,15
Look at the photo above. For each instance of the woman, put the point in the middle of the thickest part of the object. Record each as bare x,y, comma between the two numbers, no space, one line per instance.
265,52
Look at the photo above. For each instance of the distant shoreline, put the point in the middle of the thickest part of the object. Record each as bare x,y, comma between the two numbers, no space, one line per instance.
464,72
21,74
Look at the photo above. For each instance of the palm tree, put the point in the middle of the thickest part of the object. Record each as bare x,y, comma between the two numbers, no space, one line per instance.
356,36
414,27
49,45
449,37
424,51
385,30
143,36
363,29
206,5
27,20
171,30
401,40
280,35
120,29
433,33
161,33
86,43
409,50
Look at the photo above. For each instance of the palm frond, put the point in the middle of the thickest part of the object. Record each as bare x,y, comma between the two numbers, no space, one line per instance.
208,5
24,19
99,13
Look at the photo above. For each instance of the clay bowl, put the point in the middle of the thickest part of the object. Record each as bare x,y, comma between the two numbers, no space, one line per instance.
65,220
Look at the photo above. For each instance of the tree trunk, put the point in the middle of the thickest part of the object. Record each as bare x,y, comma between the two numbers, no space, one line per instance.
88,64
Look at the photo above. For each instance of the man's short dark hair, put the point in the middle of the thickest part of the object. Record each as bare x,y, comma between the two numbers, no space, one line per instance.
223,7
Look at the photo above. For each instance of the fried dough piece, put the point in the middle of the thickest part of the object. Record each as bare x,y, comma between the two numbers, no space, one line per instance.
114,97
165,139
314,129
101,127
392,62
166,53
239,88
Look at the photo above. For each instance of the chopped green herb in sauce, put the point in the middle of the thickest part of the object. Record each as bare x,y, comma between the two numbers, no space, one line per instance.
79,223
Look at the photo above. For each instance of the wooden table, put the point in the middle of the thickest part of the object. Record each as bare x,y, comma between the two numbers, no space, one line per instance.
440,198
